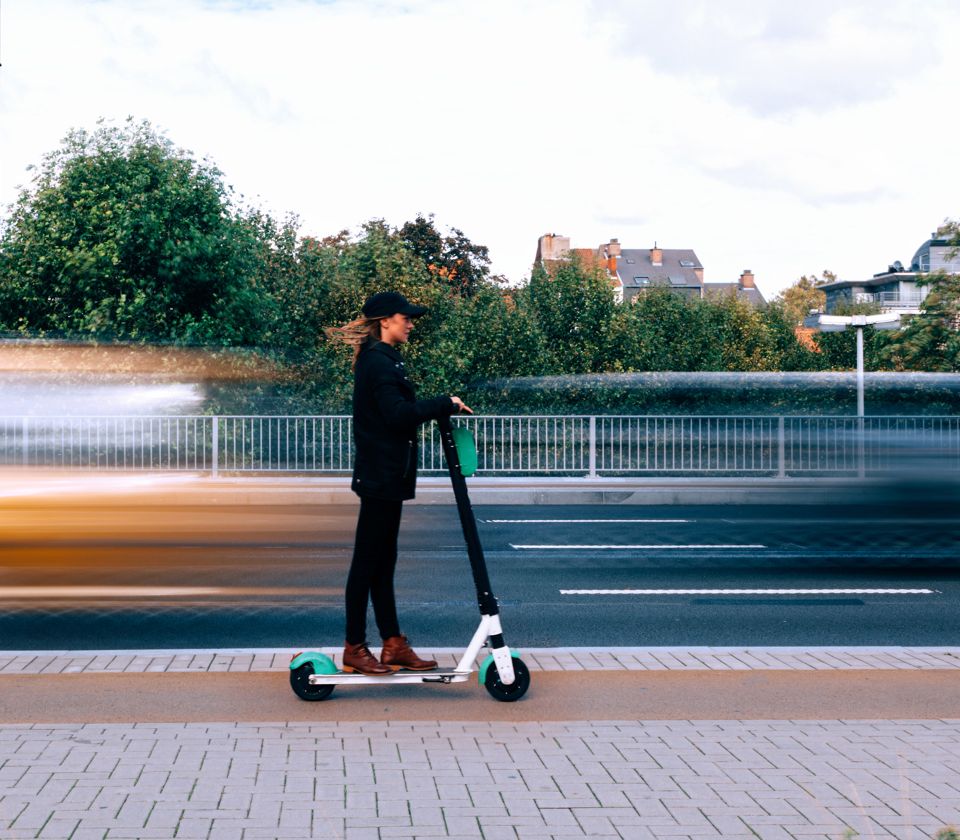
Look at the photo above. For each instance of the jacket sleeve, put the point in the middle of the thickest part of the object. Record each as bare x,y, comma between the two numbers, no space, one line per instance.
399,411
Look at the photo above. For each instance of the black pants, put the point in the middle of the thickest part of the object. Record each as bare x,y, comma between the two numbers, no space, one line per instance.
371,572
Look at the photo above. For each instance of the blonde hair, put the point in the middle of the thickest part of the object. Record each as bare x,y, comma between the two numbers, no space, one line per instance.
357,333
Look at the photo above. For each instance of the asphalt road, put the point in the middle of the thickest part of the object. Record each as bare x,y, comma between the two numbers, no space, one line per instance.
118,573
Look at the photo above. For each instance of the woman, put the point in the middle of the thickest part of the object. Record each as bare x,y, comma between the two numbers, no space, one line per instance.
386,414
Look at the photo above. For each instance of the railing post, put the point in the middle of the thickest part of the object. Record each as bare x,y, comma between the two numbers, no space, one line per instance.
25,442
781,448
215,441
593,447
861,448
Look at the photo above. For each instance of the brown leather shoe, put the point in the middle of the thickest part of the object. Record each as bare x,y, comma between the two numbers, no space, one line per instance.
397,654
358,658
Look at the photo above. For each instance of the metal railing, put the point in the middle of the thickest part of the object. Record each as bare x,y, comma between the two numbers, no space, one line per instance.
283,444
891,300
570,445
110,442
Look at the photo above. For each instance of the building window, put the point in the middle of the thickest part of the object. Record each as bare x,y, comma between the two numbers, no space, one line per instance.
641,281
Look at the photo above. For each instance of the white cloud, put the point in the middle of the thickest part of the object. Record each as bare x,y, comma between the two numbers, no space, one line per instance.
768,137
771,57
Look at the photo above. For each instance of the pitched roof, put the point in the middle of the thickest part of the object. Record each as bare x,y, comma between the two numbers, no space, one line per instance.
679,268
751,294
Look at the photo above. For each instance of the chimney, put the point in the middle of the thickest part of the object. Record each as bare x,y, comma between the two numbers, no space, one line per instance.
746,279
552,247
656,255
612,249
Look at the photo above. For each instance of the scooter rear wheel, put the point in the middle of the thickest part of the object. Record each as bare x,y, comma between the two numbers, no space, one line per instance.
516,689
300,683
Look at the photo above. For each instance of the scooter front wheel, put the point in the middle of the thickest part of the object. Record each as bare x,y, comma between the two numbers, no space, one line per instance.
508,693
300,683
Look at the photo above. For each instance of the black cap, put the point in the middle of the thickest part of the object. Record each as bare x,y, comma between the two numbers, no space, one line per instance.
385,304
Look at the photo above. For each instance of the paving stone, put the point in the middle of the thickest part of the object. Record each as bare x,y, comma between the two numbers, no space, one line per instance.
59,826
81,833
193,828
632,779
138,833
226,830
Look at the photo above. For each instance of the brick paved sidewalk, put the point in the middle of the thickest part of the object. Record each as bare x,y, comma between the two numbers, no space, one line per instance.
538,659
629,779
372,781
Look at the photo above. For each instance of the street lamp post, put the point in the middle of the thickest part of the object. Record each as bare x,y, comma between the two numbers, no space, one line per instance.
838,323
860,406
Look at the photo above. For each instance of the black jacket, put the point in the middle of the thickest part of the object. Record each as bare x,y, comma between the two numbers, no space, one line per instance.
386,414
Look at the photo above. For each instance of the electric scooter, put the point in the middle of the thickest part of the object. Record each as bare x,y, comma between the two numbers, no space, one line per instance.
314,675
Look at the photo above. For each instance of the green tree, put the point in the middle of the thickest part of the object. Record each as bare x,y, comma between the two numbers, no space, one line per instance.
121,235
573,308
452,260
929,341
797,300
838,350
785,345
743,334
316,283
950,230
506,339
659,330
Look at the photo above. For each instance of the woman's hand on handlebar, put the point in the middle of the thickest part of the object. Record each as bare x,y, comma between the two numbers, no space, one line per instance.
462,408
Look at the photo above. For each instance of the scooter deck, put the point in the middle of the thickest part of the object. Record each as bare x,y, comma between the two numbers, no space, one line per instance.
345,678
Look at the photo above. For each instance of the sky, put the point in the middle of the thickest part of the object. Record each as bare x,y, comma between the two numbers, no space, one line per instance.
783,137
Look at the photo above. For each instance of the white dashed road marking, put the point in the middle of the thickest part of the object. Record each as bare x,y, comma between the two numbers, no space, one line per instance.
627,547
584,521
748,591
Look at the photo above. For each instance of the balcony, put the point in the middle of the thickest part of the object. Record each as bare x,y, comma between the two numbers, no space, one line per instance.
892,301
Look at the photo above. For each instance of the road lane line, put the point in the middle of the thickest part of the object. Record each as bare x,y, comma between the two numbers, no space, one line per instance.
748,592
583,521
629,547
879,519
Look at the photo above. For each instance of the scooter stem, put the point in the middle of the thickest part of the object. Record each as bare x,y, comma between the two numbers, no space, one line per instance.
478,564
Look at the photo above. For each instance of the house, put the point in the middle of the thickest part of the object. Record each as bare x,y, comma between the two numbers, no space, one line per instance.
744,288
637,269
633,270
897,288
552,250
